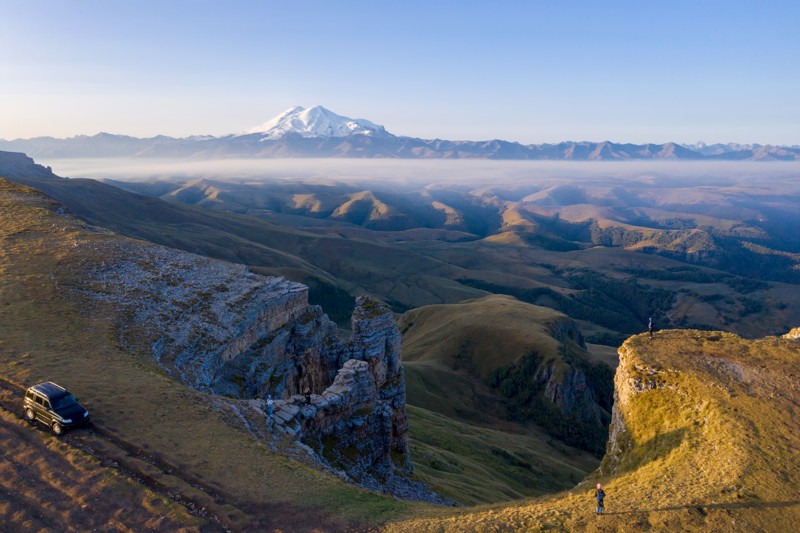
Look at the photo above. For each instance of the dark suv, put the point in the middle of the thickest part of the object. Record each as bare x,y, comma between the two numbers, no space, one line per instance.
53,405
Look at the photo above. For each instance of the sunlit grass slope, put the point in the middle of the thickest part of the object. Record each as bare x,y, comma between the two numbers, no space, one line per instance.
706,437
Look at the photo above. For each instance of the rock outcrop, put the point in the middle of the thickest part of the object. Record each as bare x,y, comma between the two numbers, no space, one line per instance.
224,330
570,392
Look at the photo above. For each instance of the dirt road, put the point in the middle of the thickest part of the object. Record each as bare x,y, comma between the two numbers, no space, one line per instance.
91,480
84,482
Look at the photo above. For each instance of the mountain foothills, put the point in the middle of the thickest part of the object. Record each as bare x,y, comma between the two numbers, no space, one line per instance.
702,252
479,370
319,132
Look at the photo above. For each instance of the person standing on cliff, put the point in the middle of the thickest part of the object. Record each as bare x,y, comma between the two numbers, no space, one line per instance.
269,404
651,327
599,495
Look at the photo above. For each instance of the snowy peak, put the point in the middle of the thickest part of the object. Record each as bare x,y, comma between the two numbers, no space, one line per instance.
315,122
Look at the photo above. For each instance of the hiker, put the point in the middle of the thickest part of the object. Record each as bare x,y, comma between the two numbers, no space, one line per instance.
269,405
307,394
651,327
599,495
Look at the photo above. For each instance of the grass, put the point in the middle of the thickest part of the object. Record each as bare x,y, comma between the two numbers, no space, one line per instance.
711,442
48,332
479,335
476,465
476,361
711,445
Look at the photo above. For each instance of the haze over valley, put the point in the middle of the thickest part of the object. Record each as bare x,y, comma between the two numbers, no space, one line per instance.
613,220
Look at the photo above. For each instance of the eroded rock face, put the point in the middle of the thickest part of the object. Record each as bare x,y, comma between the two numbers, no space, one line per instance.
224,330
794,334
619,440
570,393
632,378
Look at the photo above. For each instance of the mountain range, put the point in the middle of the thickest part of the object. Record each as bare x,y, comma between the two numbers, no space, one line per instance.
319,132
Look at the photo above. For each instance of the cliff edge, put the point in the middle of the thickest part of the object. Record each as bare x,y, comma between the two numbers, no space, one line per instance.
705,435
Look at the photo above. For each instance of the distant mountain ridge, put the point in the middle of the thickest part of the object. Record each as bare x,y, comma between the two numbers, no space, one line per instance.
319,132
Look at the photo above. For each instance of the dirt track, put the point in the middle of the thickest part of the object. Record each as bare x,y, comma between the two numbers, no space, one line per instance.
65,484
91,480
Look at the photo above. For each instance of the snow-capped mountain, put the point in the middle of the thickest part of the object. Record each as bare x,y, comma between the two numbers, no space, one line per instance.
319,132
315,122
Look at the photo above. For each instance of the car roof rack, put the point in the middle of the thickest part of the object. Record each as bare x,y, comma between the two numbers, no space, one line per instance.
49,388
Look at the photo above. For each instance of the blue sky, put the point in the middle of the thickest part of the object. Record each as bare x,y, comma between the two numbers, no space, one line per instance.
530,71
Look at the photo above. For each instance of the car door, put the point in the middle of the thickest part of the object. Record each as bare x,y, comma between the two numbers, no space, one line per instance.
48,411
38,407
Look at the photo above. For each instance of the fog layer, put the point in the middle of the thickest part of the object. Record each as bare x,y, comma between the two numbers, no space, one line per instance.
475,172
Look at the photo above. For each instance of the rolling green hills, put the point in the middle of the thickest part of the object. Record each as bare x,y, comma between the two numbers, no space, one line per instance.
497,361
593,263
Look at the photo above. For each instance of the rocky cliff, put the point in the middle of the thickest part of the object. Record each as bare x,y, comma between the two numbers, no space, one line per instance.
242,337
705,437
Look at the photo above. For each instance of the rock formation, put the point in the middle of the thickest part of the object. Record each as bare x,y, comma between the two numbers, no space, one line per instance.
224,330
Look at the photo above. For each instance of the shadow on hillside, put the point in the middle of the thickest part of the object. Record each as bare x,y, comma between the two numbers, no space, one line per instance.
701,508
656,448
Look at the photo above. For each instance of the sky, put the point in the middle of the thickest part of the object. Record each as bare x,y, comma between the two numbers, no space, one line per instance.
526,71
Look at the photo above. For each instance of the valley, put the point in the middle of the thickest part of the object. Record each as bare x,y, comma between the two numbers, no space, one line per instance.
611,245
512,300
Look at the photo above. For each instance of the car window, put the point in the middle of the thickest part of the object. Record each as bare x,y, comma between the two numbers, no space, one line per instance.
64,401
29,395
39,400
46,404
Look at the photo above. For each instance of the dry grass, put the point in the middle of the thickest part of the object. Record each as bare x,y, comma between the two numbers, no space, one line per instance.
48,332
713,444
80,493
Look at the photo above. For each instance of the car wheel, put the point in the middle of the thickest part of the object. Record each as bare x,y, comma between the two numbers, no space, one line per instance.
30,416
58,429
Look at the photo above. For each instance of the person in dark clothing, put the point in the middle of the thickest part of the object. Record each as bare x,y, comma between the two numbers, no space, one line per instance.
599,495
651,326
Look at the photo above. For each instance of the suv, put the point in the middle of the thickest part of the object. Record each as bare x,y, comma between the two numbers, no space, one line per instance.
53,405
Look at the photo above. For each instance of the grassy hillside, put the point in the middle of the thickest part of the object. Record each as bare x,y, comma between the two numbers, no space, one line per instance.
492,361
707,438
608,258
733,224
478,465
449,350
48,332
